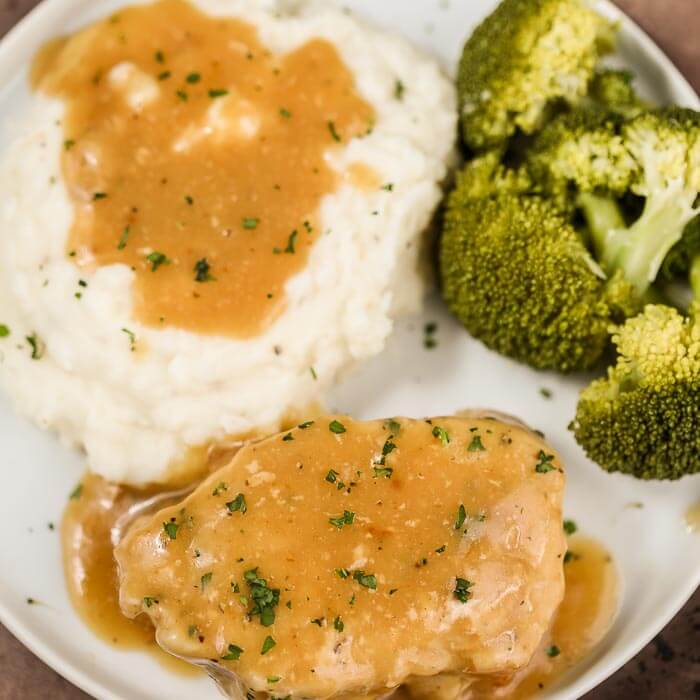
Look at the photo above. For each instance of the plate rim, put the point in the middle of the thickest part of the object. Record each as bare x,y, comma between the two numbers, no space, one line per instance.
13,42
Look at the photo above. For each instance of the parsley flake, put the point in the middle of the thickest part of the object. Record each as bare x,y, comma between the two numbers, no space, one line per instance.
366,580
461,516
334,133
442,435
206,579
4,330
268,644
193,78
338,624
36,345
250,222
76,493
461,591
123,238
218,92
544,463
234,653
347,518
171,529
476,445
148,601
238,503
156,258
570,527
553,651
201,271
335,426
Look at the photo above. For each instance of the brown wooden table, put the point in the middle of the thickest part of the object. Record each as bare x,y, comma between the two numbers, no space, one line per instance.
670,666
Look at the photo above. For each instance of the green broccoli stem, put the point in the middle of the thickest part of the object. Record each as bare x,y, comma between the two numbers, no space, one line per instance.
694,278
638,250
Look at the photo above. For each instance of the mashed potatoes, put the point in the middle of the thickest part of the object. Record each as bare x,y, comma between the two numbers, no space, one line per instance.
75,358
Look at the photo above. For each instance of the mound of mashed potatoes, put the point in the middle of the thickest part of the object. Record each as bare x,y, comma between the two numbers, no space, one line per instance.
84,351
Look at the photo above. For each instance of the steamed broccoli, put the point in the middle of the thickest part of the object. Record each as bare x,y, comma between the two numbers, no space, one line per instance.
642,419
531,281
613,92
654,156
523,58
520,279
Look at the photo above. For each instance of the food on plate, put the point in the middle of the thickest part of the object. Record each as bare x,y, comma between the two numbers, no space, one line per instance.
613,91
567,227
642,418
216,209
524,58
343,558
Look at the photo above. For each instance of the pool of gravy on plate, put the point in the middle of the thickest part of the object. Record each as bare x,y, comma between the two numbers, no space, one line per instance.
196,156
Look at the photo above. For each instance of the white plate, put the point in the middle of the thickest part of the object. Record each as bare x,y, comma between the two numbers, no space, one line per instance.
658,560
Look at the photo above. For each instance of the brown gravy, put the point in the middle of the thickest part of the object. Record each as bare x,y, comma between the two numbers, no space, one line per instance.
91,571
583,618
196,156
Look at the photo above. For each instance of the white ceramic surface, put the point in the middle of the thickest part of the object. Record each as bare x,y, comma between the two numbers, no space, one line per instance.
658,560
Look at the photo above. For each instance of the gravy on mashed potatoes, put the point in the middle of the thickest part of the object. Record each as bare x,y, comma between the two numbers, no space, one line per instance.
196,156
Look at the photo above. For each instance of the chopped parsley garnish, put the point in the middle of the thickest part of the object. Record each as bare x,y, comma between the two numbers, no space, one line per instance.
461,516
461,591
347,518
76,493
159,57
389,187
569,556
313,373
250,222
274,679
334,133
305,424
570,527
429,340
4,330
342,573
148,601
399,90
123,238
366,580
291,243
206,578
171,529
383,471
387,449
217,92
68,144
99,195
394,426
265,599
193,78
476,445
318,621
288,437
335,426
544,463
332,476
442,435
238,503
440,550
338,624
220,488
182,95
189,199
156,258
164,75
553,651
132,338
36,345
546,393
234,653
268,644
285,113
201,271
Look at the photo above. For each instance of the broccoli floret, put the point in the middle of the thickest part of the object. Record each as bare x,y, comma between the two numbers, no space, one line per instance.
644,417
518,276
613,92
678,262
654,156
525,56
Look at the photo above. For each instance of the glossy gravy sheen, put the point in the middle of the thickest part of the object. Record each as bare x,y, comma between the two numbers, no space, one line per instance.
196,156
91,571
381,538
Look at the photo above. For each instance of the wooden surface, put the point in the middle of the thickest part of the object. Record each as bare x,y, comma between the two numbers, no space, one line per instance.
670,666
